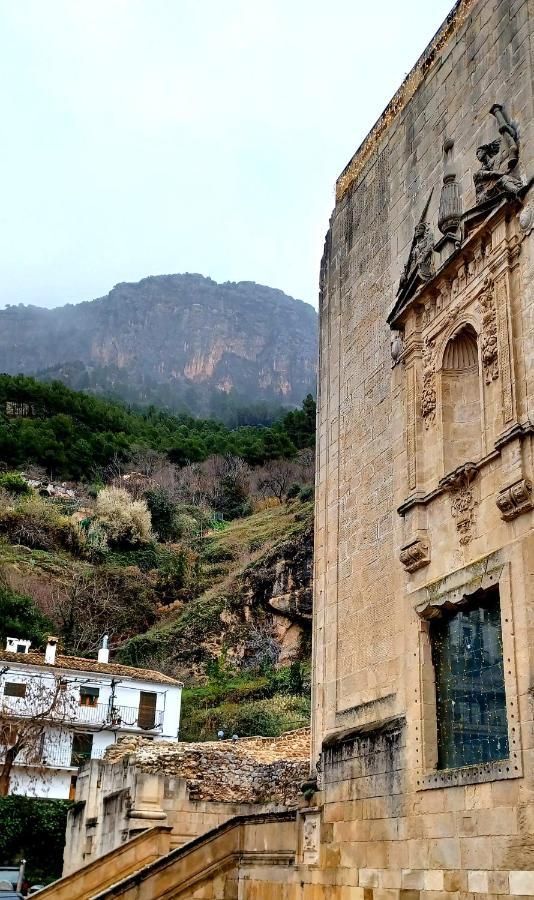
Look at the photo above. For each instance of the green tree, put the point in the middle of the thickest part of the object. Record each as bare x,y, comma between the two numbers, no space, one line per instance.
19,617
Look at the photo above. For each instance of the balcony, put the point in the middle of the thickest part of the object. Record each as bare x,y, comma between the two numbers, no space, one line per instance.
119,717
100,715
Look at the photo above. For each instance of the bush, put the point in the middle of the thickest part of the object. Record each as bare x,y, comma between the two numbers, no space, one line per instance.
162,512
14,483
269,717
33,829
306,493
35,522
19,617
293,490
126,522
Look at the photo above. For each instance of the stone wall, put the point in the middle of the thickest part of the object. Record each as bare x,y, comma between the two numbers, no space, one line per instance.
190,787
400,536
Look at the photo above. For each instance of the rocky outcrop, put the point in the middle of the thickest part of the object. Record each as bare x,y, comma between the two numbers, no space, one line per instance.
172,339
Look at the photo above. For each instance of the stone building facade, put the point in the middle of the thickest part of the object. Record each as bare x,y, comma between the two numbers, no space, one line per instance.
424,592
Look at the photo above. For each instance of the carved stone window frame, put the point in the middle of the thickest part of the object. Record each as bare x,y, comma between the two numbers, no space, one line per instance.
448,593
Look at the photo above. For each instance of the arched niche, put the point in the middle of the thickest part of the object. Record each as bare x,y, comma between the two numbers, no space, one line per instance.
460,399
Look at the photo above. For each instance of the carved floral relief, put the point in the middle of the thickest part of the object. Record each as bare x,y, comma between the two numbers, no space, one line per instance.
428,395
488,343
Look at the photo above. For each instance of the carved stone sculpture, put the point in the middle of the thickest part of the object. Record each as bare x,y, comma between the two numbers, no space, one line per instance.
311,824
463,500
516,499
415,555
419,267
498,160
397,347
450,209
488,342
428,394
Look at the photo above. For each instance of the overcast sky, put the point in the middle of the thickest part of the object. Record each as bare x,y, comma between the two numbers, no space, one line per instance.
143,137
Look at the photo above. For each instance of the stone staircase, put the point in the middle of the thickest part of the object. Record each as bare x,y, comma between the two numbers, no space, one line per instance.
140,851
211,866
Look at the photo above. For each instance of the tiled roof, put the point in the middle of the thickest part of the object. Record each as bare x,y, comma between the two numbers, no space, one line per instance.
79,664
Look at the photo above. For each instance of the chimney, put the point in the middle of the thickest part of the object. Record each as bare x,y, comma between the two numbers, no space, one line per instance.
50,652
103,653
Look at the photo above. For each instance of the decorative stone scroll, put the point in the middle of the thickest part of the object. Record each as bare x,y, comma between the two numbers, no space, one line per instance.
488,342
515,499
415,555
428,396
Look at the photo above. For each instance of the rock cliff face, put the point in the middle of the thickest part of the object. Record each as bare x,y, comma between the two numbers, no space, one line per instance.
173,339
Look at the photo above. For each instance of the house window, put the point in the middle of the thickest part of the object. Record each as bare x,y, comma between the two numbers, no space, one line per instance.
89,696
82,746
15,689
147,709
470,696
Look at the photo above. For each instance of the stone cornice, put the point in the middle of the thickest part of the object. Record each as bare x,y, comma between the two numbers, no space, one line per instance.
401,98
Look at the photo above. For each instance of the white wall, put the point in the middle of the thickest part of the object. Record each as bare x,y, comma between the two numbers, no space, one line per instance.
54,780
54,785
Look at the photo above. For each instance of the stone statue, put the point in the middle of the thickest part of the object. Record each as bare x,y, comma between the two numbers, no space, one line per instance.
498,160
420,263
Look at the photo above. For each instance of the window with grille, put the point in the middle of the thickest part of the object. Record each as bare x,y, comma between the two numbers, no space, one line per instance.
470,696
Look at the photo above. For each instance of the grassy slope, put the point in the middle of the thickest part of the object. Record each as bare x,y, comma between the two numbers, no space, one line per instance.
206,634
199,639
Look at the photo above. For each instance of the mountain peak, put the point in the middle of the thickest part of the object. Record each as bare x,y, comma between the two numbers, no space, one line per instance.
178,339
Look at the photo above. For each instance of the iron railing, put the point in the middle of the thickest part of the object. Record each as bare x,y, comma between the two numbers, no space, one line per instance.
104,715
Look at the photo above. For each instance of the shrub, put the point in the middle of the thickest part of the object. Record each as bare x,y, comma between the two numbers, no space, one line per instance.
162,511
35,522
185,526
126,522
293,490
96,542
14,483
19,617
33,829
306,493
269,717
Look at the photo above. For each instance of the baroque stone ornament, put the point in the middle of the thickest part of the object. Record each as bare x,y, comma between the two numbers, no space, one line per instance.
397,347
428,394
463,500
310,835
488,344
526,219
419,267
415,555
498,160
450,209
515,499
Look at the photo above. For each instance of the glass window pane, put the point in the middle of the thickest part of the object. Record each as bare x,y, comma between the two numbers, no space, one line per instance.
470,697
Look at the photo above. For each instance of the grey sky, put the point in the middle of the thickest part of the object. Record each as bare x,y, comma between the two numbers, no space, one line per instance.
143,137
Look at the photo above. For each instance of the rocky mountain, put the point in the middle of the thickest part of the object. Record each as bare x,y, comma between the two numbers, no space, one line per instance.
181,341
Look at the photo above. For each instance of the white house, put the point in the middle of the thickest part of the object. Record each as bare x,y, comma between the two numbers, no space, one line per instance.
86,705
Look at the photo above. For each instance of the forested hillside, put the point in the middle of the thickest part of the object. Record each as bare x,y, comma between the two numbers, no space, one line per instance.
75,436
187,542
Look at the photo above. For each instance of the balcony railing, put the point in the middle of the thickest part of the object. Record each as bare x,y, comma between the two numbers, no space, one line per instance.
101,715
119,716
